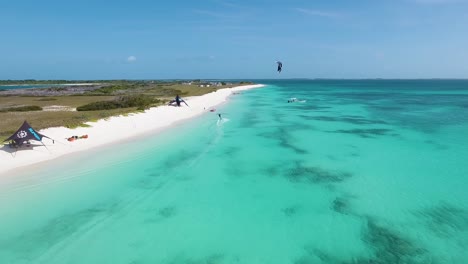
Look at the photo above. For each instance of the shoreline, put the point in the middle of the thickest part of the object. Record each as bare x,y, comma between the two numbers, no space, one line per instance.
111,130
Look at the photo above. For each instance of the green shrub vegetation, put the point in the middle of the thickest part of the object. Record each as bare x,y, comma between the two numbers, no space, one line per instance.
117,87
140,101
56,89
45,99
107,90
171,92
24,108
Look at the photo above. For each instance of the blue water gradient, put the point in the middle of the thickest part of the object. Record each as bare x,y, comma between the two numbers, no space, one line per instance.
370,171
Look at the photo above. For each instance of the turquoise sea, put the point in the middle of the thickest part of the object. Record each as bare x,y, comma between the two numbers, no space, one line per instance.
27,86
361,171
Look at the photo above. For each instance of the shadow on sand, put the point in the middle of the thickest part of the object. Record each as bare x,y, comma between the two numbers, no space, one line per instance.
25,147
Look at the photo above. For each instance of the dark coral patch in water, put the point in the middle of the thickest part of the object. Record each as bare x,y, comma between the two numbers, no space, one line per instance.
392,247
388,107
159,214
167,212
230,151
154,174
296,126
179,158
284,139
279,117
315,175
311,107
211,259
271,171
386,246
269,135
366,133
445,220
235,171
285,143
250,119
32,243
137,262
314,255
148,184
290,210
341,205
350,119
436,145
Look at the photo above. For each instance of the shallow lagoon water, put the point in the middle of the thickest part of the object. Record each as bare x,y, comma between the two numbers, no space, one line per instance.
362,172
27,86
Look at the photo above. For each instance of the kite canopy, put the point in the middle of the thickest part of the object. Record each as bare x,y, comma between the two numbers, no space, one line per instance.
24,133
178,100
280,66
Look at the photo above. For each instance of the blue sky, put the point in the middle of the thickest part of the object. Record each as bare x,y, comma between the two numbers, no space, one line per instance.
144,39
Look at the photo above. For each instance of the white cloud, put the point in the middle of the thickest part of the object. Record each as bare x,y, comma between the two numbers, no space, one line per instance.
131,59
320,13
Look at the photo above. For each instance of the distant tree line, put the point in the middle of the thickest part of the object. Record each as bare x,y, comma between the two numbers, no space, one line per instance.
34,81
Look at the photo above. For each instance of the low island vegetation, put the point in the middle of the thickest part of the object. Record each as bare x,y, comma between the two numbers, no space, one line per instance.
73,103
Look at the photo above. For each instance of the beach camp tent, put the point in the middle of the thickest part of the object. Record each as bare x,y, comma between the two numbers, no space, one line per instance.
25,133
177,101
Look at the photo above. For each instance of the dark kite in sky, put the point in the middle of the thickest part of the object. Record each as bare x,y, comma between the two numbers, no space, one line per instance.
280,66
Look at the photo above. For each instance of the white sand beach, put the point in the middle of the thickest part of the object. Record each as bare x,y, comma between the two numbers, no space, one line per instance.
111,130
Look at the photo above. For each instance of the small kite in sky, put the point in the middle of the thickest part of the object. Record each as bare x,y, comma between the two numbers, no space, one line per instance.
280,66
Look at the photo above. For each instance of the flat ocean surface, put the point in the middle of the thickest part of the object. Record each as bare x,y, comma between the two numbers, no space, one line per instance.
371,171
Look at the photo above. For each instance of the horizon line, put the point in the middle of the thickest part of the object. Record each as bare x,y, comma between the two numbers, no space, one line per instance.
291,78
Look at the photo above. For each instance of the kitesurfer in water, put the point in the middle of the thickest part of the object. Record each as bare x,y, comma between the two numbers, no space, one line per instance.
220,118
